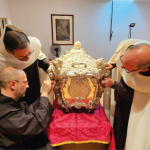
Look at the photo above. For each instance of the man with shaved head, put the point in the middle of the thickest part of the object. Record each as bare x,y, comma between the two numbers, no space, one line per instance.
136,58
18,121
9,77
131,84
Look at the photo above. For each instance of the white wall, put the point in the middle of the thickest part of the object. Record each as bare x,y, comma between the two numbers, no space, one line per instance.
129,12
91,22
4,9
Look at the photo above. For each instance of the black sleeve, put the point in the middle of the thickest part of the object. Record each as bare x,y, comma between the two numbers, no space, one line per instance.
123,92
21,123
114,65
44,64
33,107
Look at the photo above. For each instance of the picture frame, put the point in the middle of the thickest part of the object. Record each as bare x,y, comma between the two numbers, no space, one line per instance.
0,32
62,29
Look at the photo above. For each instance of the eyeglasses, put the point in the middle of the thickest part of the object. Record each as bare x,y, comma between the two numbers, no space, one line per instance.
127,71
25,82
24,56
27,55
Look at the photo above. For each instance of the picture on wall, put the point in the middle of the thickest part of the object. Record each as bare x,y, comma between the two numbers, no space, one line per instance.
62,29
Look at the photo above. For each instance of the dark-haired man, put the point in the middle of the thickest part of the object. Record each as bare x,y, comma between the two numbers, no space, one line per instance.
24,52
132,94
18,121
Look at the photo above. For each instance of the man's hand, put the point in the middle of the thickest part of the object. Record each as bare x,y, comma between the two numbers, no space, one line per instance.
51,62
109,66
47,87
107,82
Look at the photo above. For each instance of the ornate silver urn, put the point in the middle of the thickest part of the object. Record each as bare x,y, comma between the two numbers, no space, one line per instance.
78,78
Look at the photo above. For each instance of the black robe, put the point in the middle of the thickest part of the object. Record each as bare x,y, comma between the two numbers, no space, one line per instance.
123,97
19,122
32,72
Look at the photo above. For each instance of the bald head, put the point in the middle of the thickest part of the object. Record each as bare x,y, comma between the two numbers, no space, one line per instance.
8,74
137,57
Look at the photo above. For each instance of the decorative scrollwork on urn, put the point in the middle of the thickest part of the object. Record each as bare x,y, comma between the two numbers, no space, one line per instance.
78,77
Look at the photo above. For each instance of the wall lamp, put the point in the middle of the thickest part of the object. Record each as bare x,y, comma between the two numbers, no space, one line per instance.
131,25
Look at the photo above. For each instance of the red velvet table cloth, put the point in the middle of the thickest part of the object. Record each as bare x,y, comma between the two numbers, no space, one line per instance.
80,126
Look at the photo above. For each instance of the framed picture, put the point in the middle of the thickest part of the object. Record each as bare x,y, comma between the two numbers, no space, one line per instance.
62,29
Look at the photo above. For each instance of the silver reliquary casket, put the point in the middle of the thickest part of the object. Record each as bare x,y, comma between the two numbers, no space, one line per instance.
78,78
